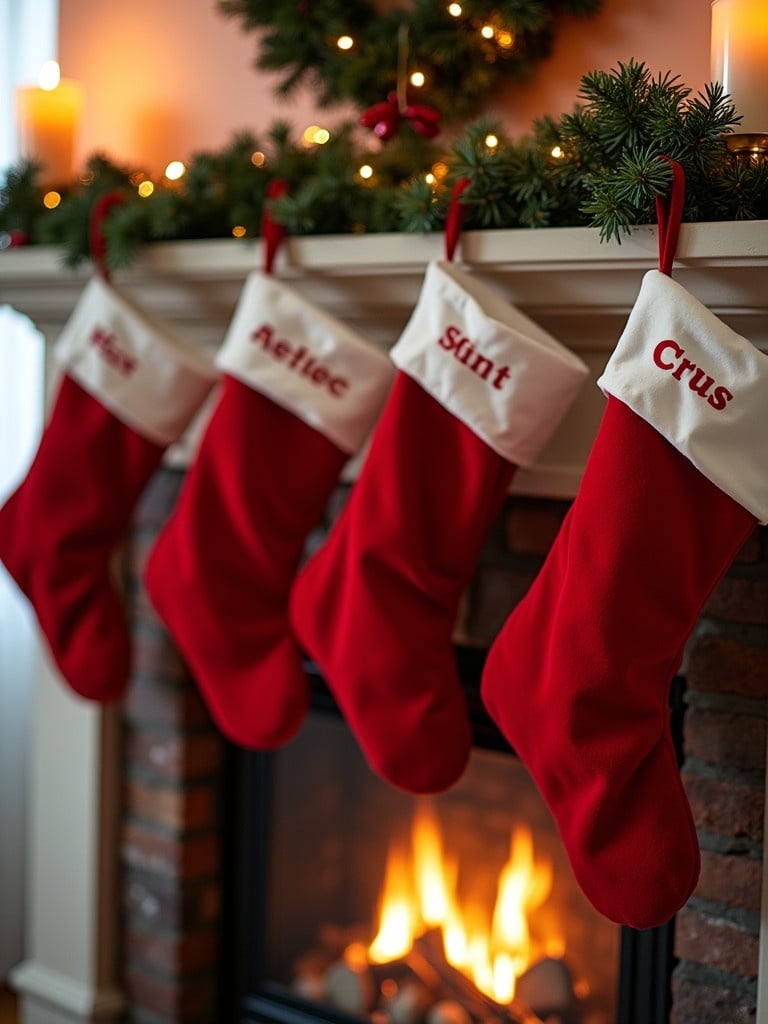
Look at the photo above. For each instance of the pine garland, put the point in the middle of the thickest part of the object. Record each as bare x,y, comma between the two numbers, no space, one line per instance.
597,165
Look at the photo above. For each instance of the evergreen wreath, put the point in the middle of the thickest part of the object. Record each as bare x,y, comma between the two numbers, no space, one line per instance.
348,50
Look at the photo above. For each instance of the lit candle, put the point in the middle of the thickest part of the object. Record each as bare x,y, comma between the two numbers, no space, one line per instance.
740,59
48,116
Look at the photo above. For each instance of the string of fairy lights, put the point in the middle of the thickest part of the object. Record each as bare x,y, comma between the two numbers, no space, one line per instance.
409,38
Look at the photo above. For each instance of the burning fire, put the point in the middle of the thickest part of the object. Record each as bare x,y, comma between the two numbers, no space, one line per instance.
420,893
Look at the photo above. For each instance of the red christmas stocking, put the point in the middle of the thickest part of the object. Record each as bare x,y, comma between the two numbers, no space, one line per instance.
578,678
129,389
300,394
479,391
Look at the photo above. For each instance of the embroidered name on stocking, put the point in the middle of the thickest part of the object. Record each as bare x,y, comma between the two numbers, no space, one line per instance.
465,352
111,351
299,359
668,355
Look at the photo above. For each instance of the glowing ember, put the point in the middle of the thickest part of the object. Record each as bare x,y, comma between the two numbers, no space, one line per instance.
491,946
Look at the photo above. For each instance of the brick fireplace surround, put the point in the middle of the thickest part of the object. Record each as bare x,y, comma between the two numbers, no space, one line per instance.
164,853
170,840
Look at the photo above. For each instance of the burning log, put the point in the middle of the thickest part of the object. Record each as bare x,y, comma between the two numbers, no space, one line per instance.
427,958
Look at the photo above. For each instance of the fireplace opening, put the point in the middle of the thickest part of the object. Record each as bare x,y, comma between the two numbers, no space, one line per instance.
347,900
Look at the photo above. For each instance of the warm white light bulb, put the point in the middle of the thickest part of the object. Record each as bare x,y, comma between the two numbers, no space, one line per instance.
314,135
175,170
418,79
345,42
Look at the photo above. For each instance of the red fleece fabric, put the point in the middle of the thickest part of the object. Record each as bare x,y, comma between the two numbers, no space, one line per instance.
61,527
376,605
578,678
220,571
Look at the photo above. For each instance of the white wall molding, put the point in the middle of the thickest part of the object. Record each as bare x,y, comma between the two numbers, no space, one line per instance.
70,971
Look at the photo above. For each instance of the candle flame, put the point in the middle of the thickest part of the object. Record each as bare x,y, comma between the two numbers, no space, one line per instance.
50,75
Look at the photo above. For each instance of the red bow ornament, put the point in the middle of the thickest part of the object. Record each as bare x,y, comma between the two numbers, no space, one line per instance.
385,118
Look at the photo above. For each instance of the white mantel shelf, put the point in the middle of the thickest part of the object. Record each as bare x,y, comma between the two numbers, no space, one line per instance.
577,287
561,271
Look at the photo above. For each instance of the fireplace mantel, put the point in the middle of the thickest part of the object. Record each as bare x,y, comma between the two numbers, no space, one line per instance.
557,272
578,288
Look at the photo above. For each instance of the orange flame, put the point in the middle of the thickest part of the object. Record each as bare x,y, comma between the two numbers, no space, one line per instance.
420,893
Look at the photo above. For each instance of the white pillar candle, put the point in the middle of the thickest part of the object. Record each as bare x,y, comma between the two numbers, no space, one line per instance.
740,59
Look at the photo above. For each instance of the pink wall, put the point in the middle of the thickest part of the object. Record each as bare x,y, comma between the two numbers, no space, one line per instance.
162,82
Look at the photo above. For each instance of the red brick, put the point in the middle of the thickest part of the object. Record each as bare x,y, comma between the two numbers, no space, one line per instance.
731,879
532,526
735,742
167,904
162,705
156,657
726,808
171,953
158,499
172,756
736,599
495,592
716,942
195,856
181,809
695,1003
752,549
180,1000
719,665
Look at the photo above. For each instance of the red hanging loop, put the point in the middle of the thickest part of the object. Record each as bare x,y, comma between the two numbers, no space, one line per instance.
96,242
669,213
455,217
272,233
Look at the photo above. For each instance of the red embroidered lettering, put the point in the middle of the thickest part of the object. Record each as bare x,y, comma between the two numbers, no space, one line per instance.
299,359
668,355
465,352
660,348
449,339
719,398
263,334
685,364
112,353
696,385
